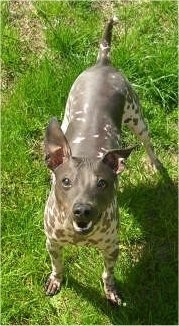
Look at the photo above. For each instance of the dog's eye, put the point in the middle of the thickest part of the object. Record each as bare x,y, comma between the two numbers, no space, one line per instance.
101,183
66,182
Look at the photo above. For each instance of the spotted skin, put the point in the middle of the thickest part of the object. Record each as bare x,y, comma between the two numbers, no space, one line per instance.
85,157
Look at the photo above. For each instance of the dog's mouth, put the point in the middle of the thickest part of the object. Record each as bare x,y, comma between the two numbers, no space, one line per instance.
82,227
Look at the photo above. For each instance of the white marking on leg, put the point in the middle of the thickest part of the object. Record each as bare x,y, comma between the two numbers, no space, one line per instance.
96,136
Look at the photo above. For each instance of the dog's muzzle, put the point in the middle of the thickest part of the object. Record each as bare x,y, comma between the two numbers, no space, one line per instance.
83,215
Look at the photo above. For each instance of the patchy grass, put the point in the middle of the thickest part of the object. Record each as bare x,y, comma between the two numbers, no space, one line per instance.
37,75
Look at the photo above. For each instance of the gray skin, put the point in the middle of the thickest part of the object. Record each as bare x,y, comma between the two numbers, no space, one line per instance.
96,100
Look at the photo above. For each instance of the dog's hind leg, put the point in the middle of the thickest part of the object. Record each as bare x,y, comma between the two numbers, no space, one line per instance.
133,118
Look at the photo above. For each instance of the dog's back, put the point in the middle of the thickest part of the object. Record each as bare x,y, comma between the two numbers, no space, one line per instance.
95,105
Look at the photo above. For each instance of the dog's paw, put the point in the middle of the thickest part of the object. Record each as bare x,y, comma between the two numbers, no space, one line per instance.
52,286
114,297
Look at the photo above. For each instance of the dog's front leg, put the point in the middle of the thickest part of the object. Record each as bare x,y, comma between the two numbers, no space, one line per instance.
110,257
54,281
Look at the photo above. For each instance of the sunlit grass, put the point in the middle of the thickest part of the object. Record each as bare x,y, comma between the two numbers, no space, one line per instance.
144,48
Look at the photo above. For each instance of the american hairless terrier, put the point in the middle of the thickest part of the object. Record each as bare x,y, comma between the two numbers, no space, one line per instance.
85,157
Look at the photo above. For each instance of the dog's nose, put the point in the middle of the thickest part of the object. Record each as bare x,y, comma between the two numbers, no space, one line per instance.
82,210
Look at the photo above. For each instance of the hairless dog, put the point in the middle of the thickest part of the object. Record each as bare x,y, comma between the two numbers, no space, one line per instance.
85,157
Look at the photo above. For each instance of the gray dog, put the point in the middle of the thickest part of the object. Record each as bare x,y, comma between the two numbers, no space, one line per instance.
85,157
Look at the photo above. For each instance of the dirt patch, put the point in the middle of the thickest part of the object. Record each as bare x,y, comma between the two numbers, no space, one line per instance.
23,16
109,7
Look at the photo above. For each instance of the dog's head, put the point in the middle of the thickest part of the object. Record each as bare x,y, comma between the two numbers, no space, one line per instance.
84,187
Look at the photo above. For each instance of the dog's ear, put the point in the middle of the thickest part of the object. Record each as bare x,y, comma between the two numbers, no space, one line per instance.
115,158
57,149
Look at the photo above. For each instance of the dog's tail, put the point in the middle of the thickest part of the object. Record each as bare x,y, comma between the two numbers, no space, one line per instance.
105,45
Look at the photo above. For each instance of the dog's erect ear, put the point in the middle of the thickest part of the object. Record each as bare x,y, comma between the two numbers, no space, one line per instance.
57,149
115,158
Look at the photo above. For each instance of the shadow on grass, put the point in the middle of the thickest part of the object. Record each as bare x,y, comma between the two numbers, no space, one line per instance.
151,285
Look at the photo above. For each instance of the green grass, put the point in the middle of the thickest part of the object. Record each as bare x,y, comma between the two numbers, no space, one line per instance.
35,89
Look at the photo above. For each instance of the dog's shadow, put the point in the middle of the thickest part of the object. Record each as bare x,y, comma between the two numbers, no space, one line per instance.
150,289
151,285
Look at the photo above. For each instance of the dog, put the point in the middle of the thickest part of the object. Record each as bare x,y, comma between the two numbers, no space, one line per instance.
85,157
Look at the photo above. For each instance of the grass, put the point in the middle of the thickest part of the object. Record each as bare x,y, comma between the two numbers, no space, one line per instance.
35,84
